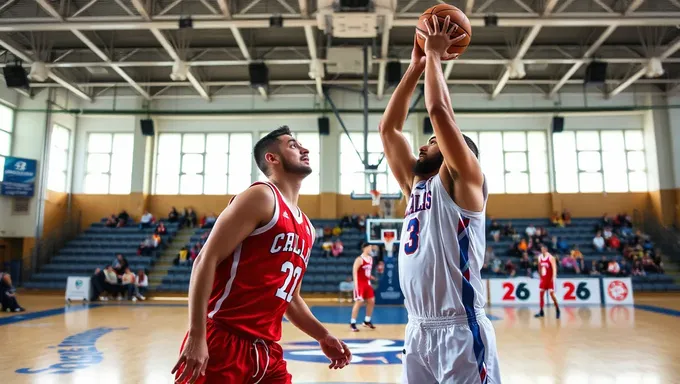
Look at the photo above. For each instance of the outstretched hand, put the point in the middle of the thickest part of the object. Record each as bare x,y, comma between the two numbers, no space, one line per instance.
438,41
336,351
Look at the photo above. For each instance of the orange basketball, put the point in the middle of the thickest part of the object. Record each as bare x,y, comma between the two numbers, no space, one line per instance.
457,17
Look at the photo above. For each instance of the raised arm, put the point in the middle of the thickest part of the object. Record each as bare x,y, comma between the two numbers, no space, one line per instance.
461,162
248,211
398,152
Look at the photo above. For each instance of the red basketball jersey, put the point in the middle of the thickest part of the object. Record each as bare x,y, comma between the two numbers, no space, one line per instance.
545,268
364,272
254,285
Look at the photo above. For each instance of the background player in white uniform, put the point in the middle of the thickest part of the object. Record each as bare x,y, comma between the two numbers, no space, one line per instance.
448,338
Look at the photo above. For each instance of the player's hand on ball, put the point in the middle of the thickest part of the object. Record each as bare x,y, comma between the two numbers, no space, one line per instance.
438,41
336,351
194,360
417,55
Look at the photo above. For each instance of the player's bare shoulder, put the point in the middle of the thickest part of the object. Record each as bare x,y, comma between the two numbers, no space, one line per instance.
258,201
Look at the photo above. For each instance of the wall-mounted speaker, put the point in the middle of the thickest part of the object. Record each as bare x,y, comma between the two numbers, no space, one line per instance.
147,127
427,126
557,124
596,73
324,126
259,74
393,72
15,76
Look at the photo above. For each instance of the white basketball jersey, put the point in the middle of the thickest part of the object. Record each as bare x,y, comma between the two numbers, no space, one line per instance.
441,254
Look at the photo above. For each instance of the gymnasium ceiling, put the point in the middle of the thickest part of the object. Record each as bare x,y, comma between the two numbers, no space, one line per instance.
98,48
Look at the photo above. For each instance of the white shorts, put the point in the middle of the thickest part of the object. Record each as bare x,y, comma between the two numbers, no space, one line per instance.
450,351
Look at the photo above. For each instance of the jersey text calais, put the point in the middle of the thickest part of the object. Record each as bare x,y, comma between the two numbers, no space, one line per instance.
441,254
254,285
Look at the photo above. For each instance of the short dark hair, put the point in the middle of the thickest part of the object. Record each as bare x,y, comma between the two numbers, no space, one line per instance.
266,144
471,144
365,244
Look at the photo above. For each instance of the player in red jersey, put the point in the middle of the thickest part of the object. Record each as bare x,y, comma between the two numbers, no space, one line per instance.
363,265
547,269
247,276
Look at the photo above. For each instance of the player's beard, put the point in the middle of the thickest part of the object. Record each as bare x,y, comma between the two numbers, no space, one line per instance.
296,169
428,165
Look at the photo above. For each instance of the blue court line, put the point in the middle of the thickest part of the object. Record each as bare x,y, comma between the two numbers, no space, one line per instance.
660,310
26,316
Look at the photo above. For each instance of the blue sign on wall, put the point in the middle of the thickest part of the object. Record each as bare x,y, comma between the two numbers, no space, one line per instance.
389,291
19,177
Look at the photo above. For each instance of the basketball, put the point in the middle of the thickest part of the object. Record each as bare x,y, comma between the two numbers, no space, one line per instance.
457,17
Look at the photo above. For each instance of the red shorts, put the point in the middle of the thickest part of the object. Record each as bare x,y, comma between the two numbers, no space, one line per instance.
546,285
363,292
236,360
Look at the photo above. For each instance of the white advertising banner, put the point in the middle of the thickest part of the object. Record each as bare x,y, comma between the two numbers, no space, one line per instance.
617,290
78,288
516,291
578,291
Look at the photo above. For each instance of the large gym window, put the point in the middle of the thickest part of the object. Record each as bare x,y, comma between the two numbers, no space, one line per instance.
309,140
597,161
513,162
351,180
6,124
60,143
109,163
203,163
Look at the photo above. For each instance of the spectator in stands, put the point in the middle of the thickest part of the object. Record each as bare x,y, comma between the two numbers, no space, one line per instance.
337,248
173,216
346,289
496,266
510,231
625,268
592,269
111,282
8,295
603,265
530,231
525,265
327,232
598,242
128,284
120,264
146,221
327,247
638,270
123,218
160,229
556,220
510,268
566,217
147,246
614,243
520,247
613,268
605,221
649,266
112,221
141,284
562,245
209,221
97,281
495,230
182,257
569,265
190,218
337,231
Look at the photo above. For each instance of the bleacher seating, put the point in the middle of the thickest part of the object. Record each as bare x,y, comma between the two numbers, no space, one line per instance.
95,248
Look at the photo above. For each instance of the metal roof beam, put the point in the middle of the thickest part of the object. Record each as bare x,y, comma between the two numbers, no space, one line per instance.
672,48
469,4
382,66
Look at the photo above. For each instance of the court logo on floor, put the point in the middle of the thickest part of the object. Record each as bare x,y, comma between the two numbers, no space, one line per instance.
75,352
364,351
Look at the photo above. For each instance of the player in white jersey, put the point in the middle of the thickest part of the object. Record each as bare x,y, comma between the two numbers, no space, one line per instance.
448,339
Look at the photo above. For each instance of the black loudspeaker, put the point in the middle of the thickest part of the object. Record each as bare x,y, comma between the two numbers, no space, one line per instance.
147,127
393,73
557,124
596,73
15,76
427,126
324,126
259,74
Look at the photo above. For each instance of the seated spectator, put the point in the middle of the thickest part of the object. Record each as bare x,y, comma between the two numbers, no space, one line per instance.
638,269
614,243
337,248
613,268
111,282
649,266
327,247
183,256
346,289
337,231
120,263
146,220
598,242
141,284
97,282
496,266
510,268
156,240
8,295
556,220
530,231
146,247
566,217
576,253
525,265
625,268
160,229
193,253
327,232
592,269
123,218
495,230
603,265
128,284
509,230
173,216
190,218
209,221
569,265
112,221
563,246
607,233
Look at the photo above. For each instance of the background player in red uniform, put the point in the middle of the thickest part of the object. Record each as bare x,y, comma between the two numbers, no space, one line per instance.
363,292
547,269
247,277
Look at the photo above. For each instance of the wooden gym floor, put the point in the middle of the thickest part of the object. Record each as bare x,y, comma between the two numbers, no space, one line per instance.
124,342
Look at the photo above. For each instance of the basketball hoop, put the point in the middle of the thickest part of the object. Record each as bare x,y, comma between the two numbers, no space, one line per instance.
388,237
375,197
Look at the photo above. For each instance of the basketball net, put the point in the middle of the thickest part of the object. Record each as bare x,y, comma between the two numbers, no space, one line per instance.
388,238
375,197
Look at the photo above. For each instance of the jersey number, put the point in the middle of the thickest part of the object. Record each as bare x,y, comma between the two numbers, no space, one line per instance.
413,229
292,271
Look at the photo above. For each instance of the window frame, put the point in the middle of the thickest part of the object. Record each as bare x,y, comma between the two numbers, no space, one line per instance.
110,154
67,151
10,133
